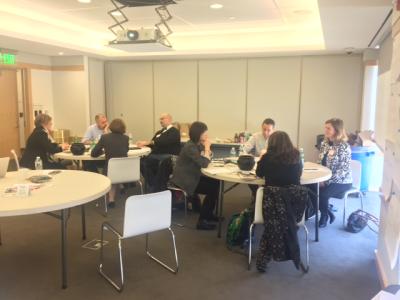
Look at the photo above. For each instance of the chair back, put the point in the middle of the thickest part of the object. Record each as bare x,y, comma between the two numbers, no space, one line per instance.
356,169
258,211
147,213
124,169
4,166
14,154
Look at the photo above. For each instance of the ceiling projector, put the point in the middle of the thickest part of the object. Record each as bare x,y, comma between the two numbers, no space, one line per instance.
142,35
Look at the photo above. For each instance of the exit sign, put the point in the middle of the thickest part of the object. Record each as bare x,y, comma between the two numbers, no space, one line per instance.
7,59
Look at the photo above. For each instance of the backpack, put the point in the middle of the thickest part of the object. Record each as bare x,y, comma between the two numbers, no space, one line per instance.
238,228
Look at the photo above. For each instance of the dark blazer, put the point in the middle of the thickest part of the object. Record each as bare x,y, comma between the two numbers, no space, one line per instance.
277,173
169,142
187,171
113,145
38,144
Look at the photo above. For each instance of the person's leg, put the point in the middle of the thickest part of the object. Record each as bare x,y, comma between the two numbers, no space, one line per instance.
210,188
111,195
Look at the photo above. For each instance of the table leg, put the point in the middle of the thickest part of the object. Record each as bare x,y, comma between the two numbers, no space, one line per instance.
83,222
220,206
64,219
316,216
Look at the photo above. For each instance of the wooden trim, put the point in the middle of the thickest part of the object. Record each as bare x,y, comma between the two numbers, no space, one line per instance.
46,68
381,273
28,102
396,28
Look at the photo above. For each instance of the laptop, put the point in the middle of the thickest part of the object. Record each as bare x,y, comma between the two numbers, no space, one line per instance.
4,166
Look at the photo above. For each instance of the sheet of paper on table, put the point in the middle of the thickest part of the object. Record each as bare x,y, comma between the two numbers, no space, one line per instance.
219,170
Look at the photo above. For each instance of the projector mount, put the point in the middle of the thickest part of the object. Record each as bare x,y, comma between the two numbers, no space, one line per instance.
162,11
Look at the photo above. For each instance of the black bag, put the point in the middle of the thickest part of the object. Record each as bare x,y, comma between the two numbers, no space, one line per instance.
78,148
357,221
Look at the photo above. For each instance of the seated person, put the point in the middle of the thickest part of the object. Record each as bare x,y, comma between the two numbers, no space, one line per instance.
94,131
41,144
280,166
165,142
258,143
187,174
113,144
92,135
335,154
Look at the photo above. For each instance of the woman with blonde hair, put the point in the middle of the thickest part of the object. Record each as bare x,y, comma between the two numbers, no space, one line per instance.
335,153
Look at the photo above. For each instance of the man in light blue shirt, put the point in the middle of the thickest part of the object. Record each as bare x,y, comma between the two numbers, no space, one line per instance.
94,131
258,142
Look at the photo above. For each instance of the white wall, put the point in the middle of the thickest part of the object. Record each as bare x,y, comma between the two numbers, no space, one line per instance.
42,91
71,109
233,95
96,88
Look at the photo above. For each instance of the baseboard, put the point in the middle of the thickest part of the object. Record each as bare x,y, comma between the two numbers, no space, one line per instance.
381,273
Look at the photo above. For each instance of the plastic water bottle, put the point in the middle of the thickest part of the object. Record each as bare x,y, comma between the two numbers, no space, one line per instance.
302,156
233,152
241,149
38,163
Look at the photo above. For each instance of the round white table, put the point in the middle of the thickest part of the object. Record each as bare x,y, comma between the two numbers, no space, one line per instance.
65,190
312,174
144,151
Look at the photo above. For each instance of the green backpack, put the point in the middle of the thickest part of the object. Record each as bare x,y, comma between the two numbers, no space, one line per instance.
238,228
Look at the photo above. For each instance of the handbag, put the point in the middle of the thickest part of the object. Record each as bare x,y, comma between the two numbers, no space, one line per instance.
78,148
358,220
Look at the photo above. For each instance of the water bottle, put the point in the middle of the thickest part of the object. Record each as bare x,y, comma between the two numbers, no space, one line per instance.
241,149
233,152
302,156
38,163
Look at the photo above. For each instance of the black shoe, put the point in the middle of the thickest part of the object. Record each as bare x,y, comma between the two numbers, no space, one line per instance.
331,216
111,204
204,225
323,221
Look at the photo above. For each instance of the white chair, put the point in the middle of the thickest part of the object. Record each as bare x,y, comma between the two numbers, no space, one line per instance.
123,170
14,154
259,219
356,169
144,214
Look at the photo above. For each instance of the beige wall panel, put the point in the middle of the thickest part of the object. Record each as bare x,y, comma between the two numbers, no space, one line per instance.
222,96
274,91
331,87
175,90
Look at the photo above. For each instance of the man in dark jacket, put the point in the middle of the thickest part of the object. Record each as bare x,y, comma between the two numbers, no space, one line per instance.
165,142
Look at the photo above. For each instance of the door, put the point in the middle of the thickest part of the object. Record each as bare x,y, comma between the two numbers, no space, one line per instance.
9,128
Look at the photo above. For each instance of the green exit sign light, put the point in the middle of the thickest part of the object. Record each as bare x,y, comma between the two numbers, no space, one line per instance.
7,59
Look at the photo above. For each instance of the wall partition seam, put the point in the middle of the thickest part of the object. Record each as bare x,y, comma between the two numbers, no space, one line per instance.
246,95
153,96
300,98
198,91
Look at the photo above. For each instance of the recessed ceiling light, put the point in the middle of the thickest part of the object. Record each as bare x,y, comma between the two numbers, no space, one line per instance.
116,13
60,53
84,1
232,18
216,6
377,47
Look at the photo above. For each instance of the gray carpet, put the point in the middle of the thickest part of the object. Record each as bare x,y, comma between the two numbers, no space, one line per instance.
342,263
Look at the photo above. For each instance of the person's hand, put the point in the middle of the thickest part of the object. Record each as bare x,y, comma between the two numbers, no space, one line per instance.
142,143
207,144
322,184
262,152
65,146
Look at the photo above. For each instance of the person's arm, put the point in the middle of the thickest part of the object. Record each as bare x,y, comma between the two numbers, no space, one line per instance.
260,170
49,147
250,145
194,154
98,149
341,168
322,151
147,143
87,138
170,137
